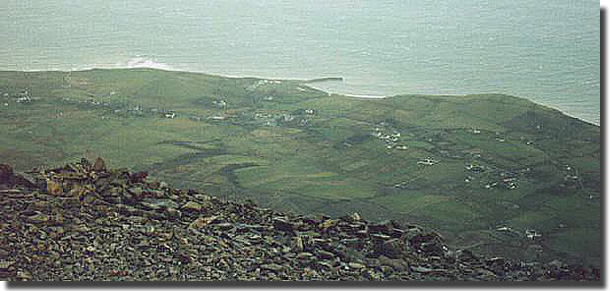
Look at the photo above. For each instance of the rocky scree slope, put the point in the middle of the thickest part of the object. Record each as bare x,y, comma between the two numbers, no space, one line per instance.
84,222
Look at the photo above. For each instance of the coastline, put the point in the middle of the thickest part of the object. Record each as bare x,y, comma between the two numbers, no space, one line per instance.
172,123
153,65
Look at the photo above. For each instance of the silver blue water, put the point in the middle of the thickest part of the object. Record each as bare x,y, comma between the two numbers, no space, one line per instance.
545,50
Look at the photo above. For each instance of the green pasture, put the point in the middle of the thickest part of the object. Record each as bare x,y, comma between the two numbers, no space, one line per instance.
327,160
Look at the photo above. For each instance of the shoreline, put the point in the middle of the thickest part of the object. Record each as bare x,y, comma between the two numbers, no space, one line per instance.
304,82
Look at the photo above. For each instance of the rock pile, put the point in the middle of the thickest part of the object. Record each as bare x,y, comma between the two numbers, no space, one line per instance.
84,222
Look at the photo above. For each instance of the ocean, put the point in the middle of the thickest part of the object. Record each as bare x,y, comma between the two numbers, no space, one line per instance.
546,50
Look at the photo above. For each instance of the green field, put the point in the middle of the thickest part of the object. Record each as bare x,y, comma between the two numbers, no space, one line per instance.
469,166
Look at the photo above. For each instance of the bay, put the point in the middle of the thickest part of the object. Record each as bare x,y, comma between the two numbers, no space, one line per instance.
547,51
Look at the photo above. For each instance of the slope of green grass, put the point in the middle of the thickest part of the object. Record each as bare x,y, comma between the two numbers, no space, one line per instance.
254,138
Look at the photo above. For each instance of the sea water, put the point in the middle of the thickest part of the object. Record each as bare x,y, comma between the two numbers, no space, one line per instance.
545,50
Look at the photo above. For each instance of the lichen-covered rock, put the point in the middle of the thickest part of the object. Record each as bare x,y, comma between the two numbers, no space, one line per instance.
99,165
192,206
201,222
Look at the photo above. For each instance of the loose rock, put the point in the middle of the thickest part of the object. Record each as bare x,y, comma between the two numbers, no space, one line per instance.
281,224
96,224
191,206
99,165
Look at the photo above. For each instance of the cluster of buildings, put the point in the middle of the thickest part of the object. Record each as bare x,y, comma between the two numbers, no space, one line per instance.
136,110
222,104
22,97
428,162
299,117
508,179
507,183
86,101
262,83
273,119
390,139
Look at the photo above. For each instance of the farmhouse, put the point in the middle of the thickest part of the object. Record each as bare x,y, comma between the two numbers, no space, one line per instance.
532,234
427,162
475,168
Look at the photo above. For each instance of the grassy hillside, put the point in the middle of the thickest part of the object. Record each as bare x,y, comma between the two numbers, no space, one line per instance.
484,170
